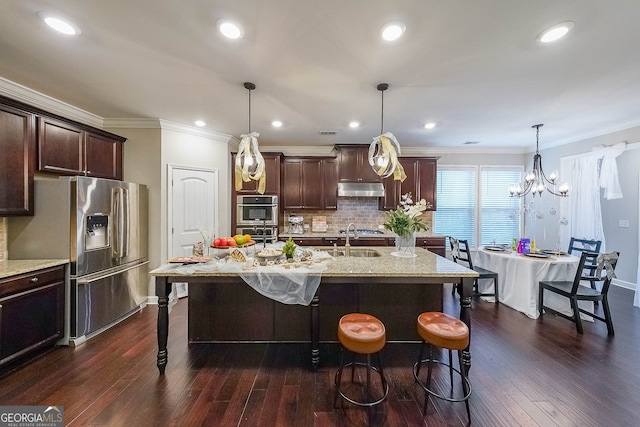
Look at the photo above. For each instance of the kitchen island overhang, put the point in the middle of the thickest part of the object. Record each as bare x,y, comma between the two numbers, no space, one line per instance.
348,284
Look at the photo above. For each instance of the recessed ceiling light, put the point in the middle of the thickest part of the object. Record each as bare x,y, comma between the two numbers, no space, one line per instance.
60,25
276,124
199,123
556,32
430,125
392,30
230,29
354,125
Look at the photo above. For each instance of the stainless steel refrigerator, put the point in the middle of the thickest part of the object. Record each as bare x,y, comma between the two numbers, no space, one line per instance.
101,226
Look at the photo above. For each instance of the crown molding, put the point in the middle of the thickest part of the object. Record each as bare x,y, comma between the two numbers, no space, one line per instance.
290,150
124,123
327,150
195,131
44,102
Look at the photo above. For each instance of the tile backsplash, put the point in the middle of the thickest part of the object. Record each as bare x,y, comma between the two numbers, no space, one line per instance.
362,211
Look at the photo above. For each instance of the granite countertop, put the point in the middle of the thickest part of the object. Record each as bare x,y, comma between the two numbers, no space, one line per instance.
425,264
14,267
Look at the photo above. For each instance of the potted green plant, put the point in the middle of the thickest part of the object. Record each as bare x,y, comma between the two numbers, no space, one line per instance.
289,248
405,222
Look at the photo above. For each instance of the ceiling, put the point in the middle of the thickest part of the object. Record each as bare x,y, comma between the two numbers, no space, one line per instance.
474,67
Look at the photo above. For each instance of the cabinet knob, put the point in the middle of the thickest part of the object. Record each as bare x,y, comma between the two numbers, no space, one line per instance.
34,280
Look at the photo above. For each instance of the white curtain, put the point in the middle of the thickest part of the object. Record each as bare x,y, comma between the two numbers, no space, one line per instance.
609,170
584,213
636,300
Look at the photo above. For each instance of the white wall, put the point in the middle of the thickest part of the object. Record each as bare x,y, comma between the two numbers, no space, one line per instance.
183,149
624,240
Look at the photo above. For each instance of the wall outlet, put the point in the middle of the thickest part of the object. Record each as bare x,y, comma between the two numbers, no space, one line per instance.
623,223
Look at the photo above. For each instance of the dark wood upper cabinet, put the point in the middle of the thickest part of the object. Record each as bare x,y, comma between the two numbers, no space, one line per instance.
309,183
60,147
330,183
66,149
272,164
17,160
354,164
421,183
103,156
427,173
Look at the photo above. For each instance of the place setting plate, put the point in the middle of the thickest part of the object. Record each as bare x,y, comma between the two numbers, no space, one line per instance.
537,255
495,248
552,252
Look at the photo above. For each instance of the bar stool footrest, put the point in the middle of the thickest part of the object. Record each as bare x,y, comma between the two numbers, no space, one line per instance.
433,393
355,402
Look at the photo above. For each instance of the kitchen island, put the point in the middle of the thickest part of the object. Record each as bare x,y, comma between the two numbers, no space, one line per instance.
223,308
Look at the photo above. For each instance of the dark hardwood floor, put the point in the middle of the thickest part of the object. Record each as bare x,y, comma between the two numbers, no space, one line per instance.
524,372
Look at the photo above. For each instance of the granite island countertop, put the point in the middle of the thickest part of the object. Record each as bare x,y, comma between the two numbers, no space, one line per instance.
425,264
14,267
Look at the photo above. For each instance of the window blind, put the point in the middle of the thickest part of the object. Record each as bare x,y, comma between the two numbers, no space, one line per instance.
500,214
456,195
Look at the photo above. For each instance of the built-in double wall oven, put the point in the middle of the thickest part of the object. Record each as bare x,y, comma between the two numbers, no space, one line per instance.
258,216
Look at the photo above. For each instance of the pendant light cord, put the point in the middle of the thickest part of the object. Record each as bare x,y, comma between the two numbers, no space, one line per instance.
382,87
249,86
249,110
382,113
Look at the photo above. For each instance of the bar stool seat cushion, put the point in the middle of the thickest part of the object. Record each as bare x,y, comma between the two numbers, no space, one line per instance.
361,333
442,330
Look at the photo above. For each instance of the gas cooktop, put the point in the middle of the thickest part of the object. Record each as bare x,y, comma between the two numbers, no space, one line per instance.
363,231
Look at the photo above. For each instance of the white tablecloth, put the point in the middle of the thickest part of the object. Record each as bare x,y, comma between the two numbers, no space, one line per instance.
518,278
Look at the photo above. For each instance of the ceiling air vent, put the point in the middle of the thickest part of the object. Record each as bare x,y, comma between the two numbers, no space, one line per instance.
471,142
328,132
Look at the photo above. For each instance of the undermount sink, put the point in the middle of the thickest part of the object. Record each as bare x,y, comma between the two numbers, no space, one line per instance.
357,253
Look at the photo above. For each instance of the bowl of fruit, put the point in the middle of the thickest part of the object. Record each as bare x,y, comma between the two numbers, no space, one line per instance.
237,241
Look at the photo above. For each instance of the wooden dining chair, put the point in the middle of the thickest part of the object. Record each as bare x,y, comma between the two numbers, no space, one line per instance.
577,246
460,252
605,265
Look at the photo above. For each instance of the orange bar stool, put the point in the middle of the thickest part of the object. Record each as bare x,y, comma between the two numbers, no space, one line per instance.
443,331
362,335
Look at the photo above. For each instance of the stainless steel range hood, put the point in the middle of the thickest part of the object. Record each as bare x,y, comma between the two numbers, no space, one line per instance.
361,189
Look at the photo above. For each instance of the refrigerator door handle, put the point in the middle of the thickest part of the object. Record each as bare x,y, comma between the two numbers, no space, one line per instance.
125,221
120,207
88,279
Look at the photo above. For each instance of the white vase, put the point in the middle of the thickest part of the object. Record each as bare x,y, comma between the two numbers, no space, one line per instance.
405,246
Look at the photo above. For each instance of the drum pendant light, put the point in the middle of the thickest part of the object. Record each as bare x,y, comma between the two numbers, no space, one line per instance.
249,162
385,149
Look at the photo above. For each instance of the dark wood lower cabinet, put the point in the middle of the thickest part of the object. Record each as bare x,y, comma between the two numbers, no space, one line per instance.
31,312
435,244
236,312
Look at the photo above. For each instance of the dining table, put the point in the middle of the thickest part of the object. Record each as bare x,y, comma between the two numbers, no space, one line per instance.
519,275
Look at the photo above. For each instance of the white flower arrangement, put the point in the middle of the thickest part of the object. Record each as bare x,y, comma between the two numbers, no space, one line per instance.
404,220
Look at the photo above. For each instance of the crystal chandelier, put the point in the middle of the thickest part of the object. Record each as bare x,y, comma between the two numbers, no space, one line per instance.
536,182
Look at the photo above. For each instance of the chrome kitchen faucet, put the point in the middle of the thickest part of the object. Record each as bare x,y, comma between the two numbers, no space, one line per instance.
347,246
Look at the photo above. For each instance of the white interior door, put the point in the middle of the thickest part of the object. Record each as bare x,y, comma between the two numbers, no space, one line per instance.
193,208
